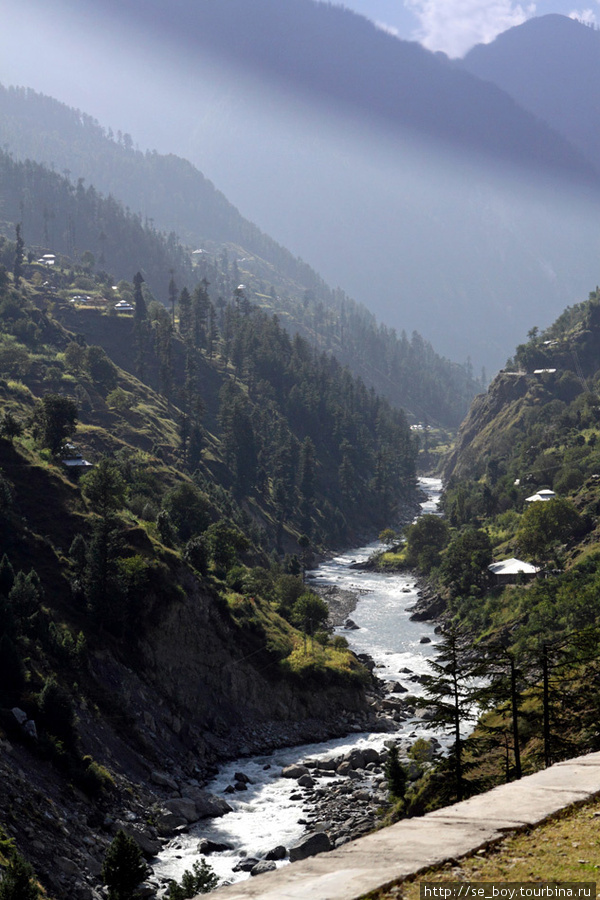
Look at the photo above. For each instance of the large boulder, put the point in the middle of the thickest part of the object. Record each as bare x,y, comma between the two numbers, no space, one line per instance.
167,823
265,865
164,780
182,806
306,781
295,771
246,865
356,759
206,847
310,846
371,755
148,844
208,806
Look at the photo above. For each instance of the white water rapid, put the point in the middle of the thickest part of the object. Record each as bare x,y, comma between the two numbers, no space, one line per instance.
265,816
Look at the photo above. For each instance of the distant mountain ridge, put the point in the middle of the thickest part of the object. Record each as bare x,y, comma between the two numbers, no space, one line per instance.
551,66
426,194
340,59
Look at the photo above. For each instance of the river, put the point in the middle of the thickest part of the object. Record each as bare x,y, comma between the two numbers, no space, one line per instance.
265,815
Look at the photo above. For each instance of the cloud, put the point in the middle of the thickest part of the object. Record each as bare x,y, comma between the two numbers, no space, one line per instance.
454,26
587,16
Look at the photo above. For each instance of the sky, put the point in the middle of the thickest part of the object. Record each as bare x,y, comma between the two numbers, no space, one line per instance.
454,26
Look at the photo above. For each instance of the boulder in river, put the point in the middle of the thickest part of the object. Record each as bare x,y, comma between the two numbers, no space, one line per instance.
206,847
306,781
246,865
167,823
278,852
265,865
210,807
294,771
182,806
310,846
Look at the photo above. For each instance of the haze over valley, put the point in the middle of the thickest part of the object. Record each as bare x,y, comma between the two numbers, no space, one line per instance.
423,192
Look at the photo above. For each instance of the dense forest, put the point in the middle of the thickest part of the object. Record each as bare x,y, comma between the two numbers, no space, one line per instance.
167,193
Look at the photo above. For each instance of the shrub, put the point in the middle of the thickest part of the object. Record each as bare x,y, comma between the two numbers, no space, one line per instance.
120,399
188,509
94,778
56,711
18,882
339,642
200,881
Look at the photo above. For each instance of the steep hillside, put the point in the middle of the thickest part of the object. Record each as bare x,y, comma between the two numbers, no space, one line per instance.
75,220
168,193
515,564
148,601
540,404
551,66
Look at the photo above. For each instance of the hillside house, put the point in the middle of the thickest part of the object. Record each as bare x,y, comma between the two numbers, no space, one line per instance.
544,495
511,571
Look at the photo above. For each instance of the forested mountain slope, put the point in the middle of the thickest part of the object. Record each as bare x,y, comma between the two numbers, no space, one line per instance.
148,600
168,193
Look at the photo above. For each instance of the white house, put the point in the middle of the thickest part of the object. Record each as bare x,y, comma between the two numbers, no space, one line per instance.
544,495
508,571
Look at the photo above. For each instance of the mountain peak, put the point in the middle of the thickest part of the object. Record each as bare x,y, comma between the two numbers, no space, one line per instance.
551,66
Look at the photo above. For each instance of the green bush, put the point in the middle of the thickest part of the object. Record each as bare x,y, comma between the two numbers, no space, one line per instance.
200,881
18,882
57,713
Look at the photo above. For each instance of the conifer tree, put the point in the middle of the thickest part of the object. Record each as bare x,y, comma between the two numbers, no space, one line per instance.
123,869
19,254
450,693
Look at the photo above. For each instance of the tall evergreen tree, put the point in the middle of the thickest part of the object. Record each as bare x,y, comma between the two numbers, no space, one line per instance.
450,693
124,868
19,255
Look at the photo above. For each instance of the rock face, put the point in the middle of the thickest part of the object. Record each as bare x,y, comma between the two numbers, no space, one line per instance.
192,656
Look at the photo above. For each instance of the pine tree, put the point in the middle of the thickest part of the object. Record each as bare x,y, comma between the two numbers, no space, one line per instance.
141,311
185,314
19,254
124,868
450,693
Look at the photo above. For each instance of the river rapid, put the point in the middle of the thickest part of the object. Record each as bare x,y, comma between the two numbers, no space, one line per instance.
270,813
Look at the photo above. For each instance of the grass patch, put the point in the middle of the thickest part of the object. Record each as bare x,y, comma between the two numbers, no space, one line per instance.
564,849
